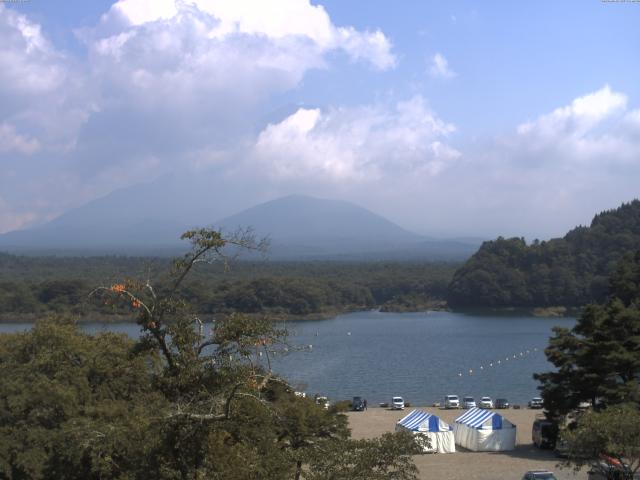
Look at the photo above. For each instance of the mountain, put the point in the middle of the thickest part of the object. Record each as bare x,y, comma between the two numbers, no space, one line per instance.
148,220
303,227
568,271
319,223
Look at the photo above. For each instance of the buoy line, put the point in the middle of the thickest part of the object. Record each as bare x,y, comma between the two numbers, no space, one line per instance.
518,355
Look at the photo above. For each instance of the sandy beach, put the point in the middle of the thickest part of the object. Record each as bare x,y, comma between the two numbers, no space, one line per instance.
466,465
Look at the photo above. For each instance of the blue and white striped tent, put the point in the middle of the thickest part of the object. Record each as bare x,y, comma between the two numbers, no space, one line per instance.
428,426
484,430
479,418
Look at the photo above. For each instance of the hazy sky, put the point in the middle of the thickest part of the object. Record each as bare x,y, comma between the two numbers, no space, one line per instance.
450,118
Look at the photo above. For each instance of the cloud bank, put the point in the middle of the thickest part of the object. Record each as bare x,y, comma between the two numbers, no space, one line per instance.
175,86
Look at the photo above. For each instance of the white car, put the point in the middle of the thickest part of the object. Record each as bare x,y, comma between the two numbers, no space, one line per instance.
397,403
486,402
468,402
451,401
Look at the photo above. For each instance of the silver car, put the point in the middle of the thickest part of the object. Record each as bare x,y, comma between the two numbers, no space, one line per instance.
468,402
486,402
451,401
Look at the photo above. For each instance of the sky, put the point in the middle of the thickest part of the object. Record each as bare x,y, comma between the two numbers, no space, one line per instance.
450,118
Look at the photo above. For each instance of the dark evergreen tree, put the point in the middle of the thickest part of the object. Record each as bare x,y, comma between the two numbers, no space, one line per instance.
598,360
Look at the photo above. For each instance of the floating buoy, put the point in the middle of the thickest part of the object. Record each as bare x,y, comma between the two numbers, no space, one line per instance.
460,374
348,333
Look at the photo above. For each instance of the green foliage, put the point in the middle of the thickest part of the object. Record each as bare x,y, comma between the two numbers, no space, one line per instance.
388,456
31,285
606,441
568,271
74,406
599,359
180,403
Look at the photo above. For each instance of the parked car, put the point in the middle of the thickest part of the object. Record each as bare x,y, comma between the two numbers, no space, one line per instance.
609,467
502,403
561,449
544,433
486,402
397,403
468,402
451,401
535,402
357,404
539,475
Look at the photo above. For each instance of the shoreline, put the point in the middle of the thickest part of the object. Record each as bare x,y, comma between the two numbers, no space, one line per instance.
435,306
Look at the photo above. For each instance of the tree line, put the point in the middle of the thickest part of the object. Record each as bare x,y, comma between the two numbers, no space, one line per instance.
50,285
568,271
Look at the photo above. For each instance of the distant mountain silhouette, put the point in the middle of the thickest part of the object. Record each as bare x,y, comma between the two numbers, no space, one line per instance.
141,221
313,221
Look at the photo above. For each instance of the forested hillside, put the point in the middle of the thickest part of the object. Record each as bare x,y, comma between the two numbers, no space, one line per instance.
33,286
568,271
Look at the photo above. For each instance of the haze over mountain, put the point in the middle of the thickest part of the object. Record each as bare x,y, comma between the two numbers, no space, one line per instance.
142,220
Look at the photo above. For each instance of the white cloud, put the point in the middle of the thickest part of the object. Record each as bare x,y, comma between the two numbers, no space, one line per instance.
366,143
439,67
11,141
296,21
579,118
590,129
165,84
28,62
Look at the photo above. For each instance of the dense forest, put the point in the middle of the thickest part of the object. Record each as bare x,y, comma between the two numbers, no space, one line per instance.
177,403
568,271
32,286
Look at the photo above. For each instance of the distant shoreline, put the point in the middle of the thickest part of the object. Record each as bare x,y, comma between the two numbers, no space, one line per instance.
435,306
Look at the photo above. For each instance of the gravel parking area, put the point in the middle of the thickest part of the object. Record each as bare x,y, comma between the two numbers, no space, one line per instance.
466,465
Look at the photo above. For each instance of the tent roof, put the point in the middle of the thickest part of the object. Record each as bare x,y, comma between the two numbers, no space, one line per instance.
430,422
477,418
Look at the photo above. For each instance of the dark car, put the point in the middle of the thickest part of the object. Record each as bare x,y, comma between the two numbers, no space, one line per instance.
357,404
544,433
539,475
536,402
611,468
502,403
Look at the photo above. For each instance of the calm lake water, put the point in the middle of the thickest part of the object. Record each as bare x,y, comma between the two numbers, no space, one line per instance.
420,356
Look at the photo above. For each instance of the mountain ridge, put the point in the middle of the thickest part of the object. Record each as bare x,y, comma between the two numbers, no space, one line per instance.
299,226
569,271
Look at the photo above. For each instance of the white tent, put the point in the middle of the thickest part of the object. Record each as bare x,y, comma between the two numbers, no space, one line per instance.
484,431
427,426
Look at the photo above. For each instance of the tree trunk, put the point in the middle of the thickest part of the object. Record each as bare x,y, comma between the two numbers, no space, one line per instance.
298,470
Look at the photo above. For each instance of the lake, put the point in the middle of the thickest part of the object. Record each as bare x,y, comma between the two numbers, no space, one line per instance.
420,356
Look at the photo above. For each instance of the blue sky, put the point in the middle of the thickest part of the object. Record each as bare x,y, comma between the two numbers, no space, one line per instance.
451,118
